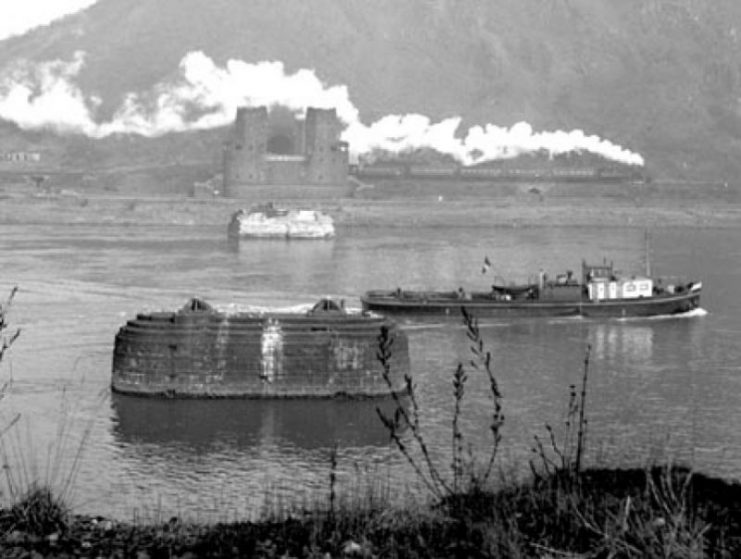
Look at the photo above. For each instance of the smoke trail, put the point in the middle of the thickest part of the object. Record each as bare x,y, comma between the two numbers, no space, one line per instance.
44,96
204,95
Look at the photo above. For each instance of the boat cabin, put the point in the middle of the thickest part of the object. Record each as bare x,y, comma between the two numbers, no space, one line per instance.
603,282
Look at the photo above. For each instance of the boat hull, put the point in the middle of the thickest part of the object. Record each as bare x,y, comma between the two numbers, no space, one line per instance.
655,306
481,307
205,354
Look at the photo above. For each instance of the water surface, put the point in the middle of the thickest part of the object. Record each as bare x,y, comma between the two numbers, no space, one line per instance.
666,387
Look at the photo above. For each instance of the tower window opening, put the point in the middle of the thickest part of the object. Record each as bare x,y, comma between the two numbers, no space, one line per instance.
281,144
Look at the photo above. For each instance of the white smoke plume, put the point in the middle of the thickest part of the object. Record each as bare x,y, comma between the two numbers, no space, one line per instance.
45,96
204,95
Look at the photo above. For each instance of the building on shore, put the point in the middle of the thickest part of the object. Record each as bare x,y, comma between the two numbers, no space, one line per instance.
276,148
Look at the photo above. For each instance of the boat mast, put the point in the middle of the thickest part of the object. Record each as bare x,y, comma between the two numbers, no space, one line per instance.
647,250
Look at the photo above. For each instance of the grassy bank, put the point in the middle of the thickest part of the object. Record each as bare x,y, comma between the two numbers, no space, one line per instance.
658,512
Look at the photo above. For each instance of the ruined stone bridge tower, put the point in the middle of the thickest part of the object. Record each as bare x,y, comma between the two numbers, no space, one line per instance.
275,148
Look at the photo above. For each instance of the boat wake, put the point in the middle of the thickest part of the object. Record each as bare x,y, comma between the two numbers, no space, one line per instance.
694,312
689,314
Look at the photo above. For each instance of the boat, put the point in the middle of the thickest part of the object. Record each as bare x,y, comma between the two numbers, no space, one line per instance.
267,221
602,292
202,352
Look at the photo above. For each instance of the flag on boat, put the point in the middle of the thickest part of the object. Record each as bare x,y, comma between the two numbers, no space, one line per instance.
486,266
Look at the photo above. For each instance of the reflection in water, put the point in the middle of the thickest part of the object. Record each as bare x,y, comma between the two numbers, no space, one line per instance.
610,339
211,457
299,256
201,425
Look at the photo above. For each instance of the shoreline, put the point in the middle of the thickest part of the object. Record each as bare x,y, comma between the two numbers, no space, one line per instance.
657,511
496,211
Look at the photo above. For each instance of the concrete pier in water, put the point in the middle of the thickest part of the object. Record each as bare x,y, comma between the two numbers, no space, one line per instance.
202,352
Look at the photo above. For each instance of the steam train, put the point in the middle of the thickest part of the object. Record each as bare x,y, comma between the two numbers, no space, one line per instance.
401,171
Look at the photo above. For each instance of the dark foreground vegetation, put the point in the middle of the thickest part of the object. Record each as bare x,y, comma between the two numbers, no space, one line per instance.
659,512
562,510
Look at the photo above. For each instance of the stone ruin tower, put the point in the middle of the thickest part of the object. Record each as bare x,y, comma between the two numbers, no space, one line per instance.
274,148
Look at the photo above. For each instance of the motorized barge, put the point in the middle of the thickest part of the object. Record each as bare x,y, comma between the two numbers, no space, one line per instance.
601,293
199,351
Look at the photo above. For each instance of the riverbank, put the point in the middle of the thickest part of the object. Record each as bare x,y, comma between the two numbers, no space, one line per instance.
515,210
661,512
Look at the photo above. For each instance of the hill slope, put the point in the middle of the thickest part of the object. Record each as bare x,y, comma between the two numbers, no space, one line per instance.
661,78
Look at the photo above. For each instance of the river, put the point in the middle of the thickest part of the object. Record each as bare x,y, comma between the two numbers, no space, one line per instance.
665,388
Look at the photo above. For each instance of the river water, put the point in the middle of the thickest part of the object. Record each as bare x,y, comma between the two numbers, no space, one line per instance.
665,388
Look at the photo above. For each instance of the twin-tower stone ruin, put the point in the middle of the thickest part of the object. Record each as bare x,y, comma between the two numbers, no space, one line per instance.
275,148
